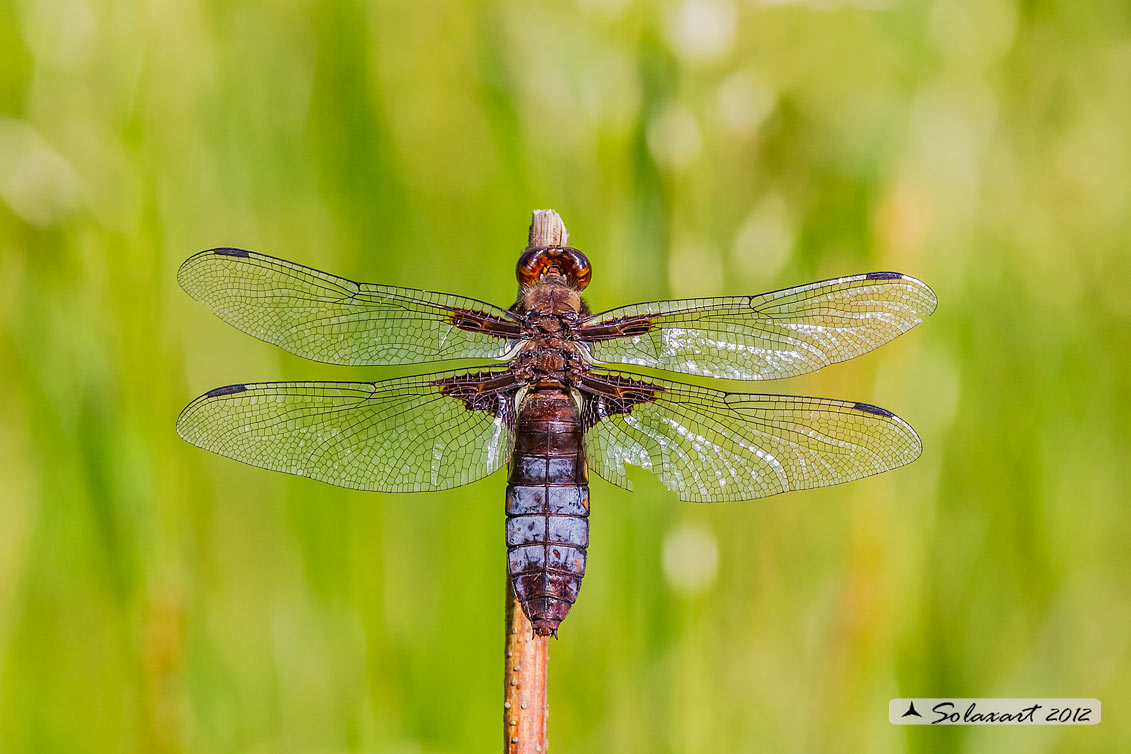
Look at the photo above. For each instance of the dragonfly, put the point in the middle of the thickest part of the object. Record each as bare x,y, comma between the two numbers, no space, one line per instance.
551,404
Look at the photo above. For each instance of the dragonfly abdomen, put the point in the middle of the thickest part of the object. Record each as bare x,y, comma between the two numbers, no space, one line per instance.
547,508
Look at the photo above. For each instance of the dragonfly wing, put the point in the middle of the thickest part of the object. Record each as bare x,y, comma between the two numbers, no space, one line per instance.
328,318
710,445
773,335
431,432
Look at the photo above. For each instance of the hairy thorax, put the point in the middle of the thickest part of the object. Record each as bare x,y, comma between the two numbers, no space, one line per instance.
551,296
550,354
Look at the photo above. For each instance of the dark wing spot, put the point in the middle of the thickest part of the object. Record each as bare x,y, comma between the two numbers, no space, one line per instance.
226,390
472,321
490,392
607,395
231,252
869,408
883,276
621,327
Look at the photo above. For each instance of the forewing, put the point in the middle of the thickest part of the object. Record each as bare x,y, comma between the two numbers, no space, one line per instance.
328,318
712,446
773,335
431,432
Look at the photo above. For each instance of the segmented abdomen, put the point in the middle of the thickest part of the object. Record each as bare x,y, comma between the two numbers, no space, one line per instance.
547,508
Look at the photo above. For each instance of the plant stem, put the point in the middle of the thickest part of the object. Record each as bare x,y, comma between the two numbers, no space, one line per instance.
525,702
526,673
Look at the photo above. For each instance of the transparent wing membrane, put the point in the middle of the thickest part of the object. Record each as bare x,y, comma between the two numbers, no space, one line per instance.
710,445
432,432
773,335
439,431
328,318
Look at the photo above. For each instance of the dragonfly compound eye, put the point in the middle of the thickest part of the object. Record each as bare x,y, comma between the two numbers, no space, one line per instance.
562,261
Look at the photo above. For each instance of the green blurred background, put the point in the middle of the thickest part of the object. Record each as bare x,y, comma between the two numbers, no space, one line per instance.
155,598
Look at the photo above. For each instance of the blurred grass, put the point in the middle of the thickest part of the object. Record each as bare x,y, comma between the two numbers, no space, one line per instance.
155,598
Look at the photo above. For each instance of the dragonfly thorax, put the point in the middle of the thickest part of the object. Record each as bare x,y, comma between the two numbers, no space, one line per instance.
549,357
551,295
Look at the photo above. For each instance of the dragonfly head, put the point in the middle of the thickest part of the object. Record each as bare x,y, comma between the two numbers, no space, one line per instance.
553,261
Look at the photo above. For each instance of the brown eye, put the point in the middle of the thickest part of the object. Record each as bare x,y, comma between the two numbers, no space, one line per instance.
580,268
530,266
570,263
